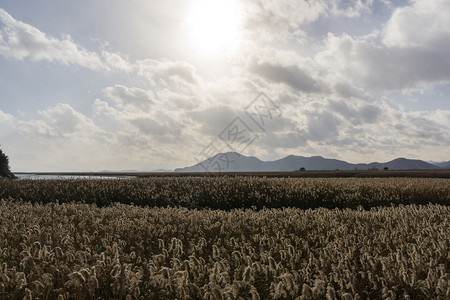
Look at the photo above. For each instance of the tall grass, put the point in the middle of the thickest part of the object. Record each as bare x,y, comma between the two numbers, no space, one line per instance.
234,192
80,251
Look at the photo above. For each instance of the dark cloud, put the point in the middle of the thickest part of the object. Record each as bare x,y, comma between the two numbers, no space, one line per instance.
347,91
369,113
293,76
323,126
365,114
213,119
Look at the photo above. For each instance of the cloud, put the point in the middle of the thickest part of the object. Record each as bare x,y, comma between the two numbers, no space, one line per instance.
281,19
302,74
182,70
288,20
37,128
357,114
130,97
423,24
346,90
373,66
425,129
19,40
292,75
213,120
5,117
412,53
283,140
158,127
115,61
177,101
66,121
349,8
175,69
61,122
322,126
133,112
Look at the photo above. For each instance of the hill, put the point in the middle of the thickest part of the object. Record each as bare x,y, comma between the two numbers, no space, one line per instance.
235,162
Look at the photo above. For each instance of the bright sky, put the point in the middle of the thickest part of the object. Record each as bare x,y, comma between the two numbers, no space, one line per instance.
120,85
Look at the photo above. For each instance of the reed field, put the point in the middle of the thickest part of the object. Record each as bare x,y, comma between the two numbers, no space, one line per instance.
233,192
225,238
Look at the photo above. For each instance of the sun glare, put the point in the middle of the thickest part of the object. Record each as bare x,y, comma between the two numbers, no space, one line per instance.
214,26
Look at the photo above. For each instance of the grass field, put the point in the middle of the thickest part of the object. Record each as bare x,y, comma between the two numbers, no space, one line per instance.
233,192
225,238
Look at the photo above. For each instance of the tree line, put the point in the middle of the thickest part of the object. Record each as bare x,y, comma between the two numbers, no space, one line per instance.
4,166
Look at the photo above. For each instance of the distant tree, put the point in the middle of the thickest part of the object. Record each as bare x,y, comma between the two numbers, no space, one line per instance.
4,166
302,169
385,168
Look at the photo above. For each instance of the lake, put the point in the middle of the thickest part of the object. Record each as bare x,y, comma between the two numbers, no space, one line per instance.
62,176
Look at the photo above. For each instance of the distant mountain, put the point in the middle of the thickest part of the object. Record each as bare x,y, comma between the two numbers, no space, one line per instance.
161,170
235,162
227,162
137,171
441,164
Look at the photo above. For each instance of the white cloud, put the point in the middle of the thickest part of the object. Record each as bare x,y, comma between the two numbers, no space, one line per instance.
133,97
423,24
61,123
66,121
271,19
412,53
5,117
19,40
115,61
135,112
285,20
38,128
371,66
175,69
350,8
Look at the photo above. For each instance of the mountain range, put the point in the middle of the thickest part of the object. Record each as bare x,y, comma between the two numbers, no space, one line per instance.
235,162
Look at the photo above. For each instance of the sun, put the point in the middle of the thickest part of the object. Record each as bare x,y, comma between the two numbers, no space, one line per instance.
214,26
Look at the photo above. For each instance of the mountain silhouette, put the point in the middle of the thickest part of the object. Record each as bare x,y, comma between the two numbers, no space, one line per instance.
235,162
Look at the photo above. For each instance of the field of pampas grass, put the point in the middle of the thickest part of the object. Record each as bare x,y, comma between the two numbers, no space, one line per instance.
233,192
82,251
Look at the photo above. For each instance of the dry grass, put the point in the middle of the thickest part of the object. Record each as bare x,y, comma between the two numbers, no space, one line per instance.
79,251
234,192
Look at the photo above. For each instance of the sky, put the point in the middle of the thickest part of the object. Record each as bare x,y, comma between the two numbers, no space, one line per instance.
143,85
